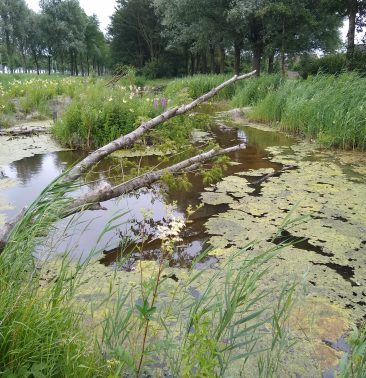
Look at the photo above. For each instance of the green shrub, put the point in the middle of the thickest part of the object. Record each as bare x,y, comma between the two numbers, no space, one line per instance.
101,114
333,64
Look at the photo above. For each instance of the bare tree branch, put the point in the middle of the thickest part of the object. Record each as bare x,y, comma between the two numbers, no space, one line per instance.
129,139
106,193
92,199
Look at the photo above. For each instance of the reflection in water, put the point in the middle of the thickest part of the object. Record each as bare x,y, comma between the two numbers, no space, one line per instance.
35,173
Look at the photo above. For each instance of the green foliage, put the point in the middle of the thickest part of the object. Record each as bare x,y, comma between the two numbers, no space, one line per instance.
102,114
328,108
39,329
328,64
354,363
334,64
254,90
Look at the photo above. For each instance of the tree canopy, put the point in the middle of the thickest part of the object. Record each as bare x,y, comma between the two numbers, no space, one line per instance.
61,38
213,35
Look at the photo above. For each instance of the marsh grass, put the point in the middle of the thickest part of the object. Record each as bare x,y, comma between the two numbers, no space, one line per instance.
255,89
327,108
40,333
353,364
152,328
23,95
197,85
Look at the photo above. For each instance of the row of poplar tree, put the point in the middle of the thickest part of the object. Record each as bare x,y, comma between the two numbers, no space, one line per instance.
60,38
173,37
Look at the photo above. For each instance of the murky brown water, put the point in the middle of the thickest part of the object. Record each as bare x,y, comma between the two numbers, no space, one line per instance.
34,173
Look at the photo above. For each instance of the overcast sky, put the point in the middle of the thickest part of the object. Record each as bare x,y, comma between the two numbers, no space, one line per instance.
102,8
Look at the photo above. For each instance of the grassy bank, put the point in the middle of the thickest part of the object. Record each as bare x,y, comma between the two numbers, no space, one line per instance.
149,328
329,109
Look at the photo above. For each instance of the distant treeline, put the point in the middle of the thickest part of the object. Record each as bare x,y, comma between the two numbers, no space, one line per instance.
163,38
61,38
180,37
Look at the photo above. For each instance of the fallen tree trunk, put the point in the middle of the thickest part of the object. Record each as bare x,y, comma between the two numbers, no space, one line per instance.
92,199
129,139
25,131
89,200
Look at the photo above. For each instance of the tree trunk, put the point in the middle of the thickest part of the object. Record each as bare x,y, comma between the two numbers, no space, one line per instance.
186,56
222,60
204,62
82,65
237,52
71,64
283,57
192,63
212,59
283,63
49,64
36,61
352,14
271,63
76,64
87,64
257,56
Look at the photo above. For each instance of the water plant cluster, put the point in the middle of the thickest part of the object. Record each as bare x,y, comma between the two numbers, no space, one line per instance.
152,326
327,108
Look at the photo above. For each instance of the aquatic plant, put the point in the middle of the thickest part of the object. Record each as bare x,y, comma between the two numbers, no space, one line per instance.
255,90
353,364
327,108
198,85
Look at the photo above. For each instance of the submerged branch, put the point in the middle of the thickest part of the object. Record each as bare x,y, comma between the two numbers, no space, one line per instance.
92,199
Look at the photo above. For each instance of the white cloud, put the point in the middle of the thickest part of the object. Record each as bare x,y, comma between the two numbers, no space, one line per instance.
102,8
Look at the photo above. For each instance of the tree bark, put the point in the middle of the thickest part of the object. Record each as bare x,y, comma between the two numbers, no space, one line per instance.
76,64
92,199
352,14
204,62
257,56
237,52
271,63
222,60
192,64
87,64
283,57
212,59
49,64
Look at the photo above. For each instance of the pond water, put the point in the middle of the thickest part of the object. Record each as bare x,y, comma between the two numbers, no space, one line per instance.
33,174
329,250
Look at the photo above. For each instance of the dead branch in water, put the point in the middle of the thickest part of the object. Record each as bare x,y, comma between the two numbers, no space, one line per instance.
92,199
